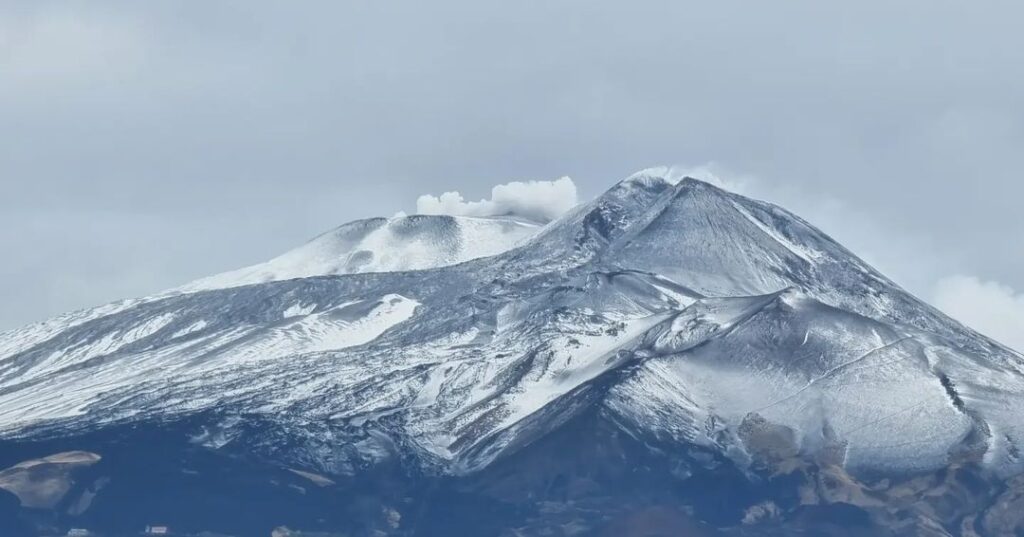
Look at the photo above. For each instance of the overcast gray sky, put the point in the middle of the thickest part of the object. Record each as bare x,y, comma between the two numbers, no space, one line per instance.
143,144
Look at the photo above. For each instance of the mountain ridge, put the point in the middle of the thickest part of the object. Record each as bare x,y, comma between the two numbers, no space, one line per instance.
685,315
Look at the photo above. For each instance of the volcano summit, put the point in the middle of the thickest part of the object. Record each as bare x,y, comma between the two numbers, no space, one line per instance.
667,359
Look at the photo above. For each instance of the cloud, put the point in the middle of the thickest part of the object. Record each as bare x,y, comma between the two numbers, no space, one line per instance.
52,48
542,201
990,307
101,99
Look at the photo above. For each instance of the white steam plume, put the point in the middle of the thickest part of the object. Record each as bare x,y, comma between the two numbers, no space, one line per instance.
541,201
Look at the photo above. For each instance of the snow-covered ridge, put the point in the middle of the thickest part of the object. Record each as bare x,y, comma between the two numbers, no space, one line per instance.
682,310
395,244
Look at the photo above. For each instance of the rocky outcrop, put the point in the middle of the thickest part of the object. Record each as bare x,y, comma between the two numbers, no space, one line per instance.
43,483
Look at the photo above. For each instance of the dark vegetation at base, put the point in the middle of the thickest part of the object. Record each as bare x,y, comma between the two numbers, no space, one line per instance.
588,477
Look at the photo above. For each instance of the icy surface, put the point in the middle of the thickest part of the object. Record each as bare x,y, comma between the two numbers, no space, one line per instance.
680,309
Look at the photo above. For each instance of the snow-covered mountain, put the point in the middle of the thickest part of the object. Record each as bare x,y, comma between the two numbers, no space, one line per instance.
383,245
676,311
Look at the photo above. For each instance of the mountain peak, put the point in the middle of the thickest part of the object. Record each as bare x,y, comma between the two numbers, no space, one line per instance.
671,175
673,310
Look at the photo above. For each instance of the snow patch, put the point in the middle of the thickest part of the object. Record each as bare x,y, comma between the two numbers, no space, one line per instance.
348,325
298,310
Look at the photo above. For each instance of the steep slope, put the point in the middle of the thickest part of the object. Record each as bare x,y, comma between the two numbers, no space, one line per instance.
879,396
722,244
